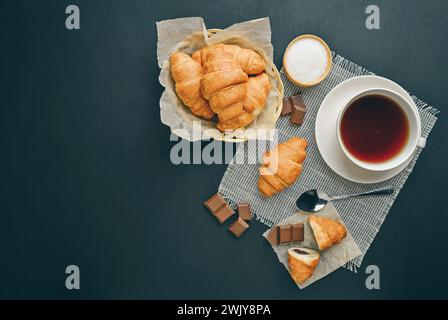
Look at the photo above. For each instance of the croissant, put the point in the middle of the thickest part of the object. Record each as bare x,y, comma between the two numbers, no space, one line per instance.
302,262
282,166
250,62
241,114
235,98
187,74
327,232
220,73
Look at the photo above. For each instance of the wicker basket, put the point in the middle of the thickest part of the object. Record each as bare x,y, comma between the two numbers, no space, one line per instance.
272,72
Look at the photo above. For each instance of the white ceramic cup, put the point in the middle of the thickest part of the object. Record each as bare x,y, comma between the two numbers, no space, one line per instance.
415,140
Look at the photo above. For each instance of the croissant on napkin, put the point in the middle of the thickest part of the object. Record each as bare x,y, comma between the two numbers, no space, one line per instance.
282,166
328,232
302,262
215,81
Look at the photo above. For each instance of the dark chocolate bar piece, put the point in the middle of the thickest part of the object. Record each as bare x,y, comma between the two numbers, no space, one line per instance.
297,101
297,232
273,236
224,213
297,115
238,227
244,211
219,208
298,110
287,106
215,202
284,233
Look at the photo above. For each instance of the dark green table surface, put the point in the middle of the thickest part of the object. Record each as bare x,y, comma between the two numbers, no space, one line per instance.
86,177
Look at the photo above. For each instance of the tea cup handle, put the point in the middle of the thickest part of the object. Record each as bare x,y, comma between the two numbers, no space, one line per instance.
421,142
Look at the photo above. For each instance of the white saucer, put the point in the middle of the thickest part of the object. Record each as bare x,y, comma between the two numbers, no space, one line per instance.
326,121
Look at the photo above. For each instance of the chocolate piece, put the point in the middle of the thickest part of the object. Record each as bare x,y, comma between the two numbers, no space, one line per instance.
297,232
219,208
215,202
287,106
300,251
238,227
285,233
298,110
223,213
297,115
244,211
297,101
273,236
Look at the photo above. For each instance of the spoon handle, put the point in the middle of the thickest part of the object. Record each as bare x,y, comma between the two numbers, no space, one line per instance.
376,192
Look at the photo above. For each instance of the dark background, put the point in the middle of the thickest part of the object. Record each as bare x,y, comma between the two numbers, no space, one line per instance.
86,177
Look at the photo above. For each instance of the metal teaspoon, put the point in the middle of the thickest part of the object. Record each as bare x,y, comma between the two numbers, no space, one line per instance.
314,200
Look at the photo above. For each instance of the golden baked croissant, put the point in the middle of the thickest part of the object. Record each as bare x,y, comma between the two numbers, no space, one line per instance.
187,75
257,91
281,166
221,74
302,262
250,61
235,98
327,232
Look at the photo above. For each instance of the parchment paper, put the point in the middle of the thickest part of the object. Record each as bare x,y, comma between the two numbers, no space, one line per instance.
188,35
330,259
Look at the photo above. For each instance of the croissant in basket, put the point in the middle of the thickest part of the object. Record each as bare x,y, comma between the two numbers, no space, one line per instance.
187,75
282,166
249,61
236,98
215,81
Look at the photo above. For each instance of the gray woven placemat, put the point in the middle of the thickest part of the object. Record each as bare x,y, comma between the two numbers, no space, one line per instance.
363,216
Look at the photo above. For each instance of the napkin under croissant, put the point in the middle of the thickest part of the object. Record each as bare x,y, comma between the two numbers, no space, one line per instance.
223,80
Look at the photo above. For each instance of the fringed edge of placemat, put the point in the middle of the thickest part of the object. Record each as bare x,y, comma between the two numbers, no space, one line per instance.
349,65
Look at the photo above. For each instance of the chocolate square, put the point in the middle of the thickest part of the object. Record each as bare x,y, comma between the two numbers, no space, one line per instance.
273,236
238,227
244,211
224,213
298,110
285,233
297,115
297,232
287,106
297,101
215,202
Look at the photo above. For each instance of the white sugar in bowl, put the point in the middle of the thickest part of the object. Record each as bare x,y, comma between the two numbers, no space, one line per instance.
307,60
